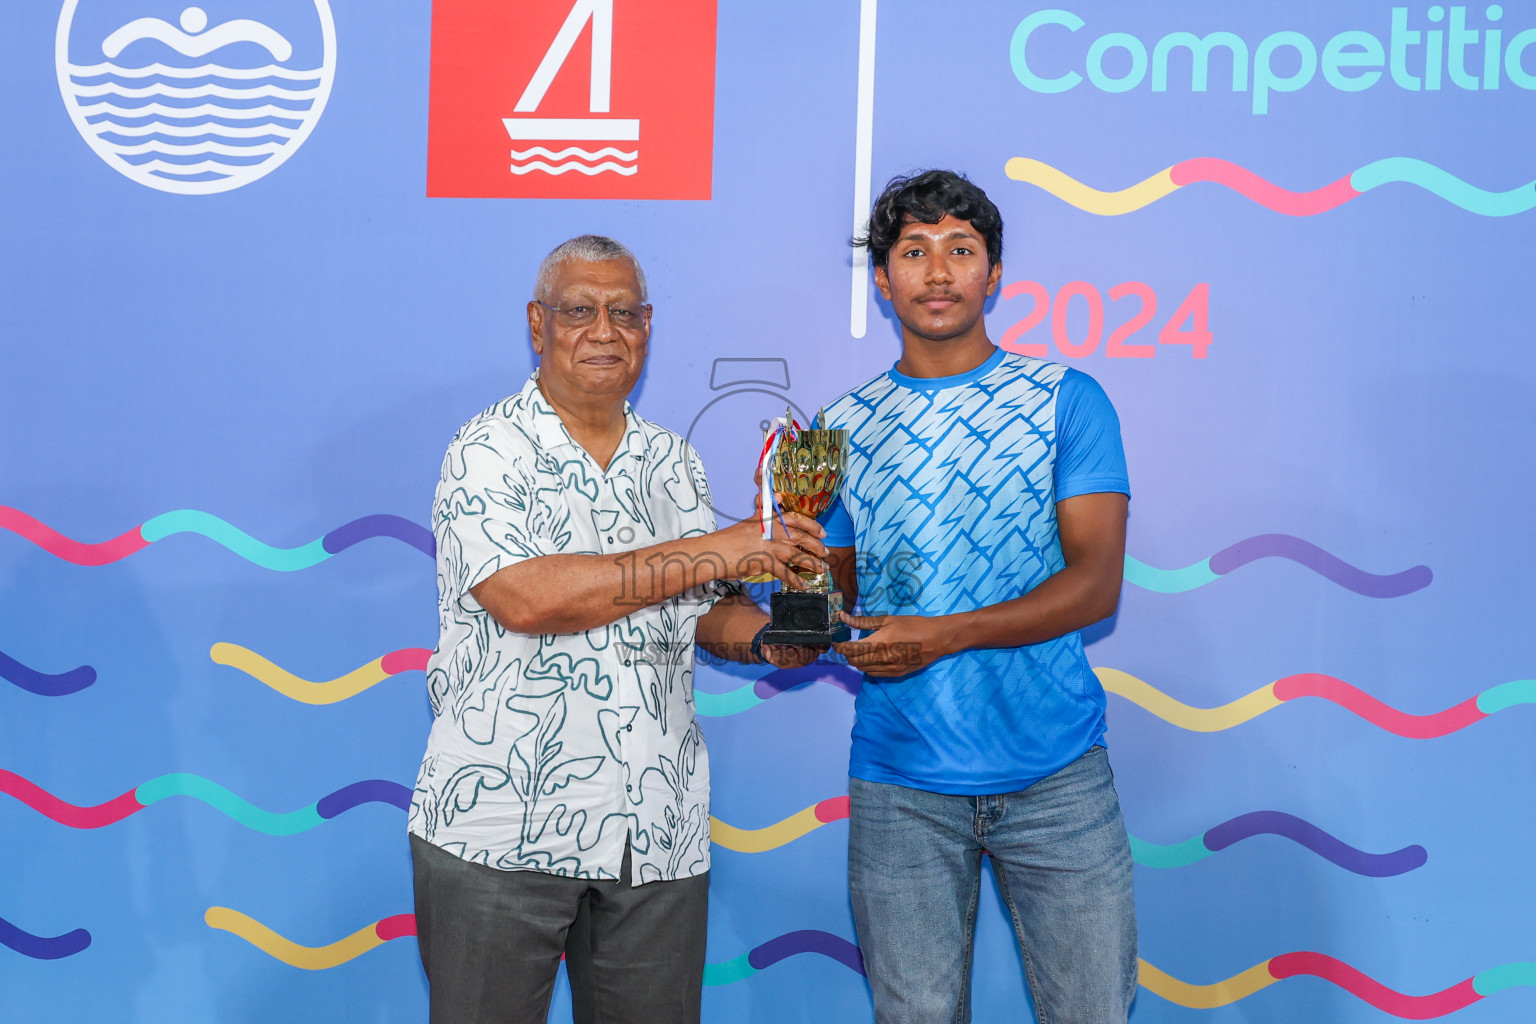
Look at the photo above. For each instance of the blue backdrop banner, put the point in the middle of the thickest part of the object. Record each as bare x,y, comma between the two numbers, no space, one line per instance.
260,260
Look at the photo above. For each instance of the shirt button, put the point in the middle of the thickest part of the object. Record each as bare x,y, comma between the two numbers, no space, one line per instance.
626,661
610,540
629,728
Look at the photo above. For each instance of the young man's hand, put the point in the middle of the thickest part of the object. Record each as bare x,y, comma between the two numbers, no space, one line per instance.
899,645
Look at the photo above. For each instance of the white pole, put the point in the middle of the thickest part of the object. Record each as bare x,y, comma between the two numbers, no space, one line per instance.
863,143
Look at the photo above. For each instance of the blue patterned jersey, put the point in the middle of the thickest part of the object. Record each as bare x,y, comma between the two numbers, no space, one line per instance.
950,500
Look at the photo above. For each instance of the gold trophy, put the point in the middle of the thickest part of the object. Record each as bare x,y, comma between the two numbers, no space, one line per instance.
806,470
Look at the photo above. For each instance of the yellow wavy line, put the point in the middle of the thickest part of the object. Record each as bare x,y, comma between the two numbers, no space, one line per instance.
311,958
1206,997
1182,715
757,840
1069,189
289,685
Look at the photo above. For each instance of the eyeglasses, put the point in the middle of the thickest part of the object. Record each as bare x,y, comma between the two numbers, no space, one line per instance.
623,315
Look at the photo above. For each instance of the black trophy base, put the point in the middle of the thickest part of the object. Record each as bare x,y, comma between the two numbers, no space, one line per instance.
806,620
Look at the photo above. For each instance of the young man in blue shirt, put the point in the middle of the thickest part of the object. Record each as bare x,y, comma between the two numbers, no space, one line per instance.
981,524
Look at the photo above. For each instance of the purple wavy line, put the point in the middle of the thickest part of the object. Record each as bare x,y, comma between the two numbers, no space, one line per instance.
43,684
808,941
1330,567
1374,865
779,680
368,527
40,948
369,791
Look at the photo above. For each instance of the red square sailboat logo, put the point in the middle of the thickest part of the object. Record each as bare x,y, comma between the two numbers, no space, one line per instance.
591,99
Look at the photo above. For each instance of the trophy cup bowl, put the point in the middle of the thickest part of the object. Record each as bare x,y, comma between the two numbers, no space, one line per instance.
807,469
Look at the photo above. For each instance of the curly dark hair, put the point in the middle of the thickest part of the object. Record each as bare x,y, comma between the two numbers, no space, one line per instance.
926,197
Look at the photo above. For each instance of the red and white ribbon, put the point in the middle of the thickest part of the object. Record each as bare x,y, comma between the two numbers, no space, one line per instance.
783,430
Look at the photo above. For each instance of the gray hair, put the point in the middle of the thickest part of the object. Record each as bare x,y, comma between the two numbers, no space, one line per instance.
582,249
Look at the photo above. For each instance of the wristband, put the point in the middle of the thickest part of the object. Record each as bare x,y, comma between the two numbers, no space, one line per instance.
757,644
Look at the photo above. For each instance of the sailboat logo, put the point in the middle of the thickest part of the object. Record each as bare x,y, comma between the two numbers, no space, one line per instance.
572,99
591,130
190,104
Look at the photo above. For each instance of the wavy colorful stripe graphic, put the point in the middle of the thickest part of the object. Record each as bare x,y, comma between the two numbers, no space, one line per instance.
760,958
40,947
214,795
1152,855
1162,581
42,683
319,958
750,695
1311,684
740,840
1392,170
771,837
1276,545
220,532
414,659
1138,691
330,691
1356,983
311,958
1287,826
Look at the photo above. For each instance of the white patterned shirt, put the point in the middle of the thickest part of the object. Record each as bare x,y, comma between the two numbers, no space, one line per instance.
548,752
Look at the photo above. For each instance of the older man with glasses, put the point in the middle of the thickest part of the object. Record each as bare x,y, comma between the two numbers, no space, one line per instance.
578,565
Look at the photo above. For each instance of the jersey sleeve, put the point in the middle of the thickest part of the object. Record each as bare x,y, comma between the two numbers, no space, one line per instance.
838,524
487,514
1089,456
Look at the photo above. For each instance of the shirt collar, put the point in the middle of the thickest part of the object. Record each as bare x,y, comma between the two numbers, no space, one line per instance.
549,430
939,383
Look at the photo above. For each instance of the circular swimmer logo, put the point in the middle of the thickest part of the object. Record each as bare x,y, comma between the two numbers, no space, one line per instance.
195,100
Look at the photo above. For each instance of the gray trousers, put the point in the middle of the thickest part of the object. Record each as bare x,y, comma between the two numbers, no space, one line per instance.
491,942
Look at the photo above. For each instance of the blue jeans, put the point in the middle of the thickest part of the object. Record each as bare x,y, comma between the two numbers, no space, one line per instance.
1063,865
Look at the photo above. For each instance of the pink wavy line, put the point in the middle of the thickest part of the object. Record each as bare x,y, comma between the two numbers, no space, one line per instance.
407,659
1246,183
55,543
1364,987
45,803
832,809
1417,727
395,927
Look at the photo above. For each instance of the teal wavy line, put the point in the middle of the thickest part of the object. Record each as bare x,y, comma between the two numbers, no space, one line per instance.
1168,581
1507,695
729,972
241,543
1497,979
1445,185
732,702
228,804
1177,855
